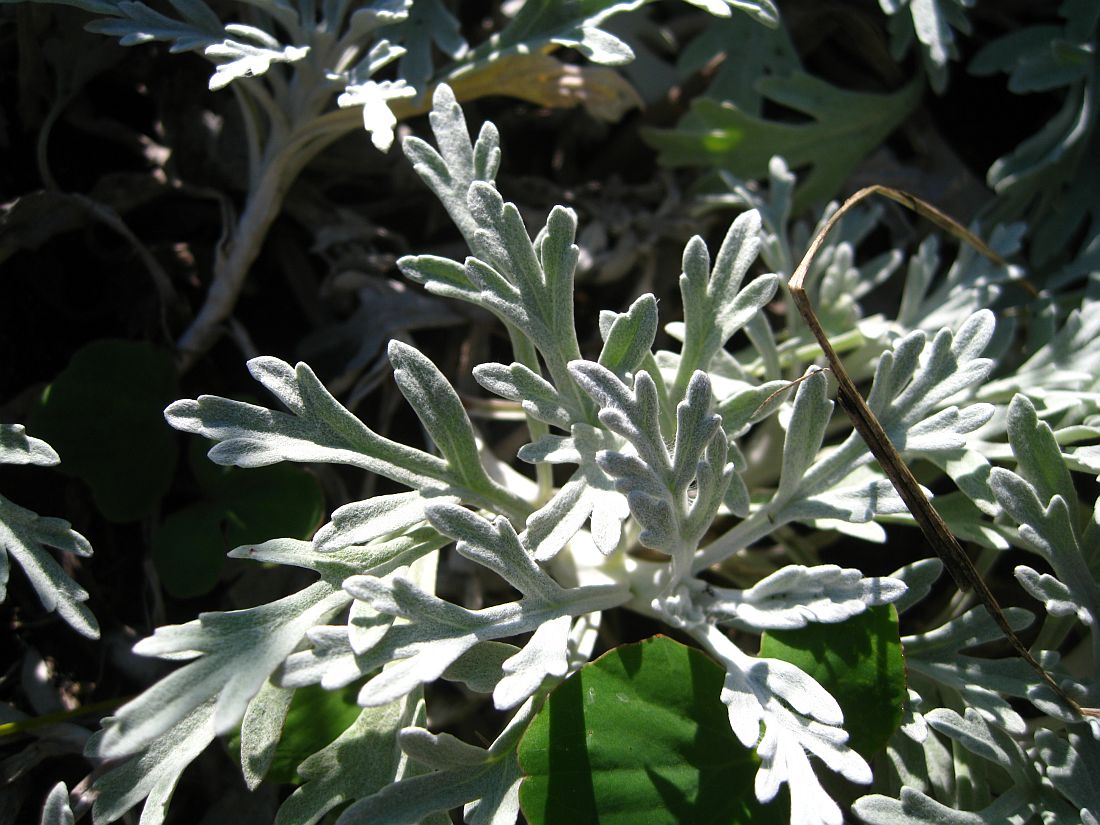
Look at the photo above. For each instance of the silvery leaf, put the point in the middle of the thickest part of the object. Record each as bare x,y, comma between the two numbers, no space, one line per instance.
378,557
364,521
488,790
16,447
56,811
799,718
374,97
437,633
1072,764
24,537
805,431
538,396
153,772
655,482
317,429
261,729
629,337
138,23
450,171
937,656
246,60
1051,528
232,655
795,595
362,760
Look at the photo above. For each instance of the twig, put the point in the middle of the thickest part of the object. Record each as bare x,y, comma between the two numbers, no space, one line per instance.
945,544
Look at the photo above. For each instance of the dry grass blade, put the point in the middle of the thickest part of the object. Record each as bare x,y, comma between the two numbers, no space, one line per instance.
941,538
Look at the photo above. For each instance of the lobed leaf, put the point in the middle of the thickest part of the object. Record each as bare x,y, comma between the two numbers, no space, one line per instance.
233,654
24,536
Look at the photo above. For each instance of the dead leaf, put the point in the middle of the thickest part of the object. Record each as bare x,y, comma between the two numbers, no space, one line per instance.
542,79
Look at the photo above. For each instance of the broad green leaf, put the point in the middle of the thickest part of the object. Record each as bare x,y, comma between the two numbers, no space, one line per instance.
860,663
639,735
238,507
103,414
844,128
189,550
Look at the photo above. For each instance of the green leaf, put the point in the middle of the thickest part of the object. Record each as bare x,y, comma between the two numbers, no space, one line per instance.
639,735
238,507
315,719
103,414
860,663
844,127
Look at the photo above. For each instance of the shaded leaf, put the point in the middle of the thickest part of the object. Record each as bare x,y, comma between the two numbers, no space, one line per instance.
586,758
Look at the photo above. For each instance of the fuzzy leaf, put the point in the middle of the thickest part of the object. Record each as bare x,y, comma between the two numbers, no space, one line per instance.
795,596
799,718
806,429
440,410
860,663
656,483
318,429
56,811
450,171
361,522
247,60
261,729
538,396
438,632
153,772
24,537
629,337
16,447
932,23
362,760
374,97
1072,766
715,305
378,557
976,736
937,656
138,23
233,654
589,495
493,784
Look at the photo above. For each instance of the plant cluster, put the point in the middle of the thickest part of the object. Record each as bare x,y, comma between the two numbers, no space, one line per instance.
690,472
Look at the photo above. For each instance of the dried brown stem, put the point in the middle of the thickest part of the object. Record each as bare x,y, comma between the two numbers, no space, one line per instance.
941,538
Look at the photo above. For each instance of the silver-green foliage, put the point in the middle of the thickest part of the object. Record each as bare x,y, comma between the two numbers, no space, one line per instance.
24,537
659,440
